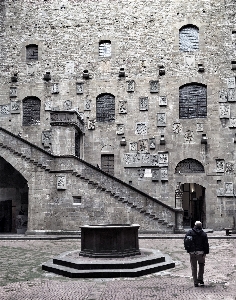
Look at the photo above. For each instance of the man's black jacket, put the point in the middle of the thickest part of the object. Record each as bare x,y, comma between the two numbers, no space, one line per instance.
200,240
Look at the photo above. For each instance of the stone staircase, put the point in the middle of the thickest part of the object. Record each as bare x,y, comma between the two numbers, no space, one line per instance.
154,215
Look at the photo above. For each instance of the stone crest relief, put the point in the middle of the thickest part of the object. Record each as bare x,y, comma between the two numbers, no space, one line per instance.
152,143
47,138
162,100
55,88
164,174
177,128
122,107
231,82
224,111
67,105
163,159
199,127
91,124
133,146
141,173
61,182
229,168
141,128
79,88
130,85
143,146
120,129
231,95
189,137
229,189
4,110
223,96
155,174
87,105
13,92
15,107
154,86
143,103
161,119
220,165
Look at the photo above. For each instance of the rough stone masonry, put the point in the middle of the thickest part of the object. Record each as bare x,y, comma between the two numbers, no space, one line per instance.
141,90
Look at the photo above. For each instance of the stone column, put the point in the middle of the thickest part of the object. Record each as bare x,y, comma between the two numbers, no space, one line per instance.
179,212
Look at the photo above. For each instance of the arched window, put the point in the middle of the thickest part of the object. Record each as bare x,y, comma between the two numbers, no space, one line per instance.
189,165
104,48
105,108
32,52
189,38
192,101
31,111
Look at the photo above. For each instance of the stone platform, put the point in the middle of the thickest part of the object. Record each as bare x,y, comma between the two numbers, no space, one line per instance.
70,264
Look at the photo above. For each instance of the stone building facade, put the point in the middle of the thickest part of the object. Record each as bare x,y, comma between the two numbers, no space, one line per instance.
117,112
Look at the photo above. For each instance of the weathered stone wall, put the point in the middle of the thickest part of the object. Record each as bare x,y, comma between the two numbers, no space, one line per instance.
144,36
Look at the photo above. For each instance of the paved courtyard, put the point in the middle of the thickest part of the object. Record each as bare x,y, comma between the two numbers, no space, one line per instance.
21,276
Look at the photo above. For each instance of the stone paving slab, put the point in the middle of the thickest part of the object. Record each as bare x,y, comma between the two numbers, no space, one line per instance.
21,277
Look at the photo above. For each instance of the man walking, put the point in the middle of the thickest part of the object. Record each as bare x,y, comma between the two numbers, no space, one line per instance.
196,244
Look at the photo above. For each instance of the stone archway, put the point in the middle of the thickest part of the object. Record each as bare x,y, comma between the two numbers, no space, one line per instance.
13,199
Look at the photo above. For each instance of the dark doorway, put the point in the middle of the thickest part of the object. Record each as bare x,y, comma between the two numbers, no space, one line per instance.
13,199
193,204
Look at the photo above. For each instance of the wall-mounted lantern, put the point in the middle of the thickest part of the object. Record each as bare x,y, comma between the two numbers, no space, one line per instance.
162,140
123,141
204,139
86,74
122,72
162,70
47,76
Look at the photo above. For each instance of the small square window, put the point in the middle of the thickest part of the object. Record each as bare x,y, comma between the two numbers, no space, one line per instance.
76,200
32,52
105,49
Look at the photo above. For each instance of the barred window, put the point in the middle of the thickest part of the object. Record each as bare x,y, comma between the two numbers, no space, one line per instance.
31,111
189,165
32,52
192,101
189,38
107,163
104,48
105,108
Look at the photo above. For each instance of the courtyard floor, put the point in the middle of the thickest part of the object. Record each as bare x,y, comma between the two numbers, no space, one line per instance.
22,278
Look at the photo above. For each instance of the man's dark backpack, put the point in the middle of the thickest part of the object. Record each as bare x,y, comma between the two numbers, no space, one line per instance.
189,244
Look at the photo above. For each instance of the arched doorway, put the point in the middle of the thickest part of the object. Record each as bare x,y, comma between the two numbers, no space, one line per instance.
193,203
193,194
13,199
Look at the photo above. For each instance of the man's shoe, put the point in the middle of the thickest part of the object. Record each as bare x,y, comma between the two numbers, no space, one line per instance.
201,282
196,284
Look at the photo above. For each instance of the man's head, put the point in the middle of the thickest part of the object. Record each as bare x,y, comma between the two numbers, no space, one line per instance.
198,224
